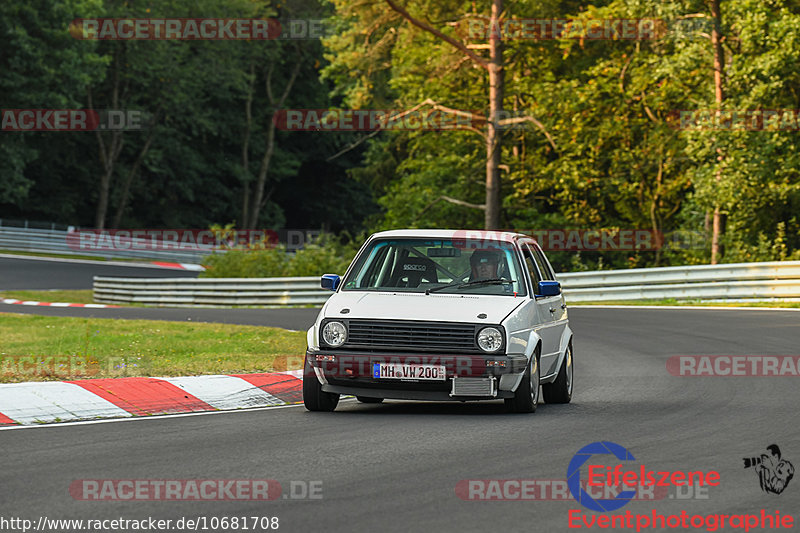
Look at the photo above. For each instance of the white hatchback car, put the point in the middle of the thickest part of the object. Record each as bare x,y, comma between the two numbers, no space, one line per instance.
442,315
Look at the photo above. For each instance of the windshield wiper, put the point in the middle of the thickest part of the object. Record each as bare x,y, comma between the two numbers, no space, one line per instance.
477,282
491,281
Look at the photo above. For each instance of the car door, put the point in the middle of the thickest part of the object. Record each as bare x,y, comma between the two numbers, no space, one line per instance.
545,306
557,306
548,310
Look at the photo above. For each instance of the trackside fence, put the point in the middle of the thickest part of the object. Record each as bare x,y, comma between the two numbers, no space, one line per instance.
55,241
741,281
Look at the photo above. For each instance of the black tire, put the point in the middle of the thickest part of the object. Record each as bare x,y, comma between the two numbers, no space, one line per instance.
314,398
367,399
560,391
526,397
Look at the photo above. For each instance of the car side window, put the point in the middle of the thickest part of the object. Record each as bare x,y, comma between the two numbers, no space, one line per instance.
370,278
547,265
530,263
542,264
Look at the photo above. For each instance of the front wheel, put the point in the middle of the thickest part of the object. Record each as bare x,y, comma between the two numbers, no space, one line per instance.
560,391
526,396
314,398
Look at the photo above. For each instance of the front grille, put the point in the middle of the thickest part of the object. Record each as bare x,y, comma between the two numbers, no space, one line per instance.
439,337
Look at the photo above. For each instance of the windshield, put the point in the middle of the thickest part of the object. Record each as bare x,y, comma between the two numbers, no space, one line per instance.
428,265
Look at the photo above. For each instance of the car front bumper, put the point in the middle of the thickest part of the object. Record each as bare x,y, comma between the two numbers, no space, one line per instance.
351,373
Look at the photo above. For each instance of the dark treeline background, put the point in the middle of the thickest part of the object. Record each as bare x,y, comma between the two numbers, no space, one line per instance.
599,152
211,147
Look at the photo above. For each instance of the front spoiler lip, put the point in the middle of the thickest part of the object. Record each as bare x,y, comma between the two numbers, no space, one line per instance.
515,363
394,394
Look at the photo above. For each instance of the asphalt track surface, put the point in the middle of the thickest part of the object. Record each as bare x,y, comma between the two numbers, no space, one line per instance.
36,273
395,466
41,274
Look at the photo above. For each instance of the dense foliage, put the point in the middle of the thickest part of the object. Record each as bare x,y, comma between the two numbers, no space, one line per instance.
603,152
201,155
328,254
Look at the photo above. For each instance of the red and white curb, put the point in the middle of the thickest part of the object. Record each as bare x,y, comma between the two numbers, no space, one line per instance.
53,304
180,266
33,403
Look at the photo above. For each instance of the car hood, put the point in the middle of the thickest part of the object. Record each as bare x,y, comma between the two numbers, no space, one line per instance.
419,306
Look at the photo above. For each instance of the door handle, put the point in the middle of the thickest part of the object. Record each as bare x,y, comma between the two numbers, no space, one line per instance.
563,306
552,309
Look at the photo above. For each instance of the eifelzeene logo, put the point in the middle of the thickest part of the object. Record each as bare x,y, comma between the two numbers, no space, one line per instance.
774,473
574,476
611,477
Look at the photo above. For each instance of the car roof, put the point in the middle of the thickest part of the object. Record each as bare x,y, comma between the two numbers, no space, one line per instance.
503,236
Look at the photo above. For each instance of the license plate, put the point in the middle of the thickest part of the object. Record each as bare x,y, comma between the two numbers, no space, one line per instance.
413,371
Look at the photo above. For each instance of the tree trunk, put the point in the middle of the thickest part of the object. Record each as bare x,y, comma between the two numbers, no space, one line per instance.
102,201
108,156
126,186
719,221
496,93
248,112
654,222
258,195
493,203
718,229
258,199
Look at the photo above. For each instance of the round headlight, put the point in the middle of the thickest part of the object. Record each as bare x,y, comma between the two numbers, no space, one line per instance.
334,334
490,339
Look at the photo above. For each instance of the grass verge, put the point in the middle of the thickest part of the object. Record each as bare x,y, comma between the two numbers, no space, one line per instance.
39,348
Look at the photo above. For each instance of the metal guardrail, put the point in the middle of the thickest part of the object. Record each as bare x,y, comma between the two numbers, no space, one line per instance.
210,292
777,280
56,241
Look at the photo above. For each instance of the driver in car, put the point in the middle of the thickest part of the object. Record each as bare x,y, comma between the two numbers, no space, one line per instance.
484,265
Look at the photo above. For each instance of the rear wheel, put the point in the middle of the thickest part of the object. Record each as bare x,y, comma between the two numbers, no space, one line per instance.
526,396
560,391
367,399
314,398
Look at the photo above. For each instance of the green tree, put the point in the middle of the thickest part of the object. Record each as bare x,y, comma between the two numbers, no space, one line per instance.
43,68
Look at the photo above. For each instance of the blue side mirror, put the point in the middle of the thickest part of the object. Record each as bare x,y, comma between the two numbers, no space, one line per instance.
549,288
330,281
